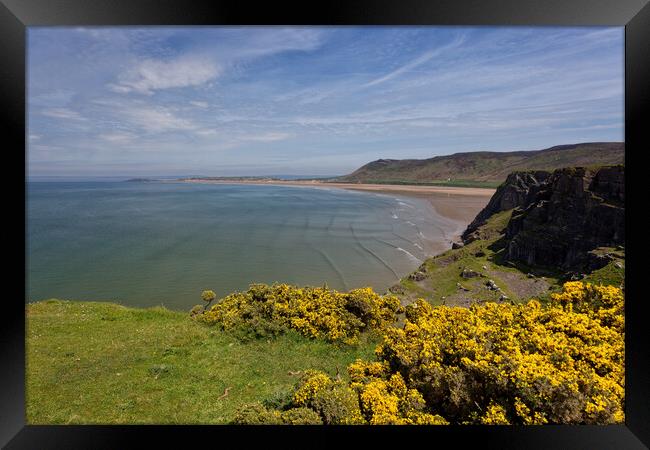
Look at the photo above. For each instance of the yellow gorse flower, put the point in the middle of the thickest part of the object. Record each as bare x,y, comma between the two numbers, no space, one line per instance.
561,363
314,312
526,364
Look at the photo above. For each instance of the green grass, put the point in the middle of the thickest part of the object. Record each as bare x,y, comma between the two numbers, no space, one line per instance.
611,274
444,270
102,363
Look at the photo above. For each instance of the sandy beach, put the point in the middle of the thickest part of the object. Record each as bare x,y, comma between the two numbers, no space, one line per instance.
460,204
456,203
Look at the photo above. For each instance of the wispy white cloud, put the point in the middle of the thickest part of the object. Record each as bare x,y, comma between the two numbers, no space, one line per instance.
268,137
157,119
117,137
206,64
273,40
207,132
425,57
62,113
199,104
152,74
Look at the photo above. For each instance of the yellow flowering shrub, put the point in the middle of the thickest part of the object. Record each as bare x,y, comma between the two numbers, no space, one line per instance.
379,404
495,415
526,364
385,399
492,364
602,302
301,416
312,382
519,364
208,296
312,311
362,372
337,403
334,401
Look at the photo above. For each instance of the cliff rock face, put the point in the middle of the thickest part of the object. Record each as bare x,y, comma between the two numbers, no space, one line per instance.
518,190
559,218
574,211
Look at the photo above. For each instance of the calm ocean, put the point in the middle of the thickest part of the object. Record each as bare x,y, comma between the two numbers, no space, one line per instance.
145,244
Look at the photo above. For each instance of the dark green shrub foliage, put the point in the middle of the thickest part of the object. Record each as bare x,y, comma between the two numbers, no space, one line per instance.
301,416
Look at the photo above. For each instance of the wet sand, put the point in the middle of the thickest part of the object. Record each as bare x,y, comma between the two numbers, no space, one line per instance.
460,204
456,203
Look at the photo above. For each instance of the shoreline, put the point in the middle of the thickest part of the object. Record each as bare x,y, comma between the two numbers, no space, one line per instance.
438,215
459,204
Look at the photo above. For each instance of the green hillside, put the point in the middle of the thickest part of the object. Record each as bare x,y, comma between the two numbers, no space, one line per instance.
485,168
103,363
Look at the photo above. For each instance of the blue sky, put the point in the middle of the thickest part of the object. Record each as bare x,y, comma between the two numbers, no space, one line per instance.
311,100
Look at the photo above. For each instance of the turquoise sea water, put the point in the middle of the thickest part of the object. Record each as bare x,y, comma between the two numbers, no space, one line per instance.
145,244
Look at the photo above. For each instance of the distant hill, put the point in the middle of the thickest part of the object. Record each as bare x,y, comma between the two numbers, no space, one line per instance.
139,180
485,168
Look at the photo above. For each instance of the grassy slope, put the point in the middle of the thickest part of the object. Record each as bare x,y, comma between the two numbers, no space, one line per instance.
443,273
612,274
485,168
93,362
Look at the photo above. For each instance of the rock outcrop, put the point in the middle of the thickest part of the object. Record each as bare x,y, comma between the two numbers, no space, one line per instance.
560,218
575,211
518,190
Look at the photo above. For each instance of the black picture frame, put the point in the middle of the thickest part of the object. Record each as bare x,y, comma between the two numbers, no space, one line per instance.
16,15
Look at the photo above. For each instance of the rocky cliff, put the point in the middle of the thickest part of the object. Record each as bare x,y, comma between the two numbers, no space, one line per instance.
518,190
560,218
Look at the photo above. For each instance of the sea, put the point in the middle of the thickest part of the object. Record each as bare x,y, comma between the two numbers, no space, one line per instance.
162,243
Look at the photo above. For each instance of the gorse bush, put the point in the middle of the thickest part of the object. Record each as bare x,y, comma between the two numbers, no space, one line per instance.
335,402
312,311
519,364
208,296
301,416
489,364
258,414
